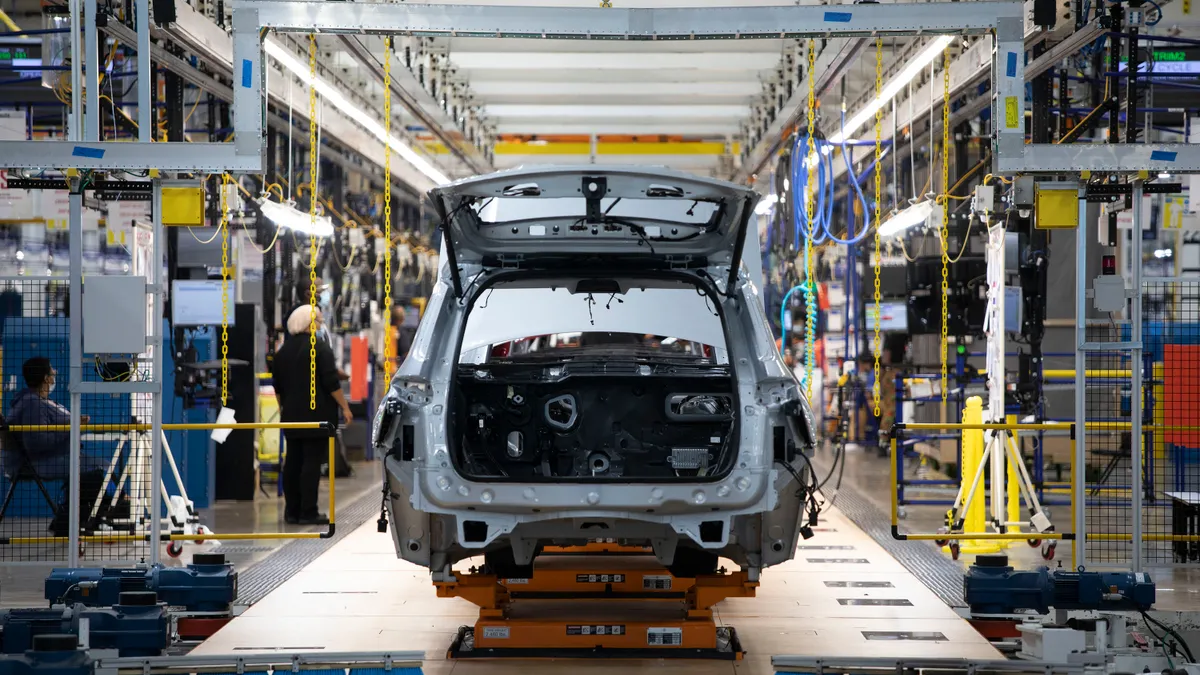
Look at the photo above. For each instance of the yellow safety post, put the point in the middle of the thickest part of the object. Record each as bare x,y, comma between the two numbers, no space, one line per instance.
975,499
1012,477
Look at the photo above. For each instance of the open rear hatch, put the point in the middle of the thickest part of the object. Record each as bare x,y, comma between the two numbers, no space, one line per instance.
551,218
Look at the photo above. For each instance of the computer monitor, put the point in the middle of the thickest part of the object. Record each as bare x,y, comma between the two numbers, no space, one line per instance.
893,316
197,302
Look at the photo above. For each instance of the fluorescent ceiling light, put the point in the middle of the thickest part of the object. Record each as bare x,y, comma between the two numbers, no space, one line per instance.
913,215
765,204
289,61
893,87
288,216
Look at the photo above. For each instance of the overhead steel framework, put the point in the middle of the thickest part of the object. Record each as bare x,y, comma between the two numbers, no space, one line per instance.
1003,18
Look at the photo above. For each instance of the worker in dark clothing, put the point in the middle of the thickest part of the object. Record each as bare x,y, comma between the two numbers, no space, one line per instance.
307,449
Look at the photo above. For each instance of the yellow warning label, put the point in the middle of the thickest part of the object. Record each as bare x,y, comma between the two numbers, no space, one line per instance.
1011,116
1187,6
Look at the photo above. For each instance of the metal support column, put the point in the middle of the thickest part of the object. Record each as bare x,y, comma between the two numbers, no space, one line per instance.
145,73
156,281
1080,459
1136,447
75,379
75,121
91,115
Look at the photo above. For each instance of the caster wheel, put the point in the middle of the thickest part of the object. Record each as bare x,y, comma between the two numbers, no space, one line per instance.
941,542
1034,543
175,549
1048,552
955,551
200,529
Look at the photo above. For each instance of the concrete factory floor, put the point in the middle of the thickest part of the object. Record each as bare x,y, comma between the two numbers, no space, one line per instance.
359,597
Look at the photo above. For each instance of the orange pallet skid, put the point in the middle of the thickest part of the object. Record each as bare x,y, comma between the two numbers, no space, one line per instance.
617,606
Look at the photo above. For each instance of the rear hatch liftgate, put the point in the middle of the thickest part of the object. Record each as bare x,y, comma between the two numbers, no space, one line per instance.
572,218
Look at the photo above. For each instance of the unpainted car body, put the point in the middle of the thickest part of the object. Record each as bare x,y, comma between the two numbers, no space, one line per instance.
595,363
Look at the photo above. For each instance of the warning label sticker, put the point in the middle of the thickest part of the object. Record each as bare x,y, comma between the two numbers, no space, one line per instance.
656,582
495,632
664,637
593,629
599,578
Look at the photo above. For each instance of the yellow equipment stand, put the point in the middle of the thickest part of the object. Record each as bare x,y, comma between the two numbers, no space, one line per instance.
602,599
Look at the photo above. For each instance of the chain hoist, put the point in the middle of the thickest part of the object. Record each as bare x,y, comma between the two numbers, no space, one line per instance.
878,342
224,291
944,231
388,348
810,307
312,217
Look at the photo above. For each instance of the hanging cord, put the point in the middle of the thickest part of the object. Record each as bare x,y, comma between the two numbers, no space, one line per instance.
224,290
944,232
388,350
312,217
878,342
809,196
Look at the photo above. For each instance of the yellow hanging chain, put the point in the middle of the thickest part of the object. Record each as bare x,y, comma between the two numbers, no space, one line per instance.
945,232
388,354
878,342
312,216
810,305
224,292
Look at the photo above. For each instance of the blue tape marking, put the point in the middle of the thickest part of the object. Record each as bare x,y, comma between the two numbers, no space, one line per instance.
1162,156
837,17
90,153
1010,69
247,72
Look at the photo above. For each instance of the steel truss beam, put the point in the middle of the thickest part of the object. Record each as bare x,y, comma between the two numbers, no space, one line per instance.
1004,17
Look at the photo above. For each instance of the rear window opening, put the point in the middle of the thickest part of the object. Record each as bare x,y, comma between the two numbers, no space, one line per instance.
558,385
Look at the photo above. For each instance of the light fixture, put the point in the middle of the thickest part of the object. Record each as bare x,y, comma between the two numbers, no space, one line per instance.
764,205
893,87
289,61
913,215
288,216
1163,253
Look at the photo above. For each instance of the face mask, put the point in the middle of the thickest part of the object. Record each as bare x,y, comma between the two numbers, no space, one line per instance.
323,334
326,297
51,389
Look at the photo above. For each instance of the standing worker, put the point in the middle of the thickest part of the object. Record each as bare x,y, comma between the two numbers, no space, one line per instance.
307,449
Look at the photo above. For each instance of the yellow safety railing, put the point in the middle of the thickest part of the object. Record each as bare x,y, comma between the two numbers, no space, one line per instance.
168,537
980,536
1075,489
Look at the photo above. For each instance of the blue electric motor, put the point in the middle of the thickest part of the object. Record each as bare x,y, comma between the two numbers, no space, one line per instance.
51,654
991,586
138,625
208,584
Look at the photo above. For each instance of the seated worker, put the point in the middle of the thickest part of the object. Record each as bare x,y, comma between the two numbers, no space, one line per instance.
49,452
